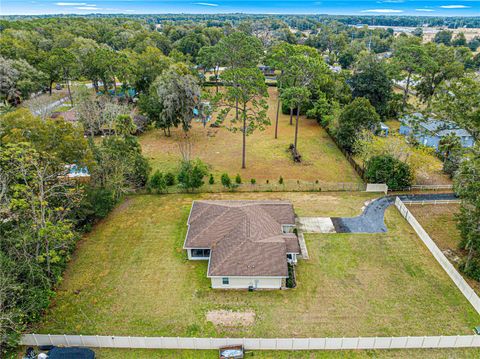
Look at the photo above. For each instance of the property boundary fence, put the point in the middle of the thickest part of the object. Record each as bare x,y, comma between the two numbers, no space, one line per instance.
97,341
466,290
428,187
359,169
274,186
443,201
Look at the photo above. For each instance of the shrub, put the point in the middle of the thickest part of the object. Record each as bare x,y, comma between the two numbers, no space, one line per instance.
191,174
226,181
268,181
211,180
253,181
238,179
387,169
280,180
169,179
95,205
157,182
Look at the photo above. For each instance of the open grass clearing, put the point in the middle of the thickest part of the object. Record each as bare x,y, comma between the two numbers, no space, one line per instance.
130,276
267,157
440,224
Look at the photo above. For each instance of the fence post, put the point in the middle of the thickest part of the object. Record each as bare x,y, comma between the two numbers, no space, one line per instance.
50,338
35,338
81,340
98,341
66,339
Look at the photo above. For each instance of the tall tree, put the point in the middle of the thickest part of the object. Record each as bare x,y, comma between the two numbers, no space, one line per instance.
409,55
295,97
371,80
440,66
178,94
244,94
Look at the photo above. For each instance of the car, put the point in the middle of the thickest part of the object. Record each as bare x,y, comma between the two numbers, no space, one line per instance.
71,353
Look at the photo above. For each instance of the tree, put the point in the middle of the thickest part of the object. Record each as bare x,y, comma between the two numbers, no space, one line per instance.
210,58
459,40
358,115
244,94
239,50
443,37
147,66
178,94
418,32
409,56
191,174
459,101
386,169
467,187
67,64
157,182
440,66
449,144
295,97
371,81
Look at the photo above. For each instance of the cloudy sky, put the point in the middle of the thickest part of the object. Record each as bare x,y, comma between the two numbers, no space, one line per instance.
372,7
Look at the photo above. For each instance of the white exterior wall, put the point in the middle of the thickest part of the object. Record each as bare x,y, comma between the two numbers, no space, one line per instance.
189,252
245,282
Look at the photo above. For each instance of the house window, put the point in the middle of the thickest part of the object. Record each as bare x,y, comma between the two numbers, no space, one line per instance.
225,281
287,228
201,253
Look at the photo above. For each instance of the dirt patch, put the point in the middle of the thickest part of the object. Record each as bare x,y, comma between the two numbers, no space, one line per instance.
228,318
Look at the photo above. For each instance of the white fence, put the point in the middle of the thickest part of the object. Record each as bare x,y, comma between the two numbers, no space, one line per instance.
467,291
377,187
440,201
459,341
430,187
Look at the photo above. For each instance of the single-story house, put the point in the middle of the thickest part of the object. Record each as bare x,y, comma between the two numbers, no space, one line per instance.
248,244
429,132
267,70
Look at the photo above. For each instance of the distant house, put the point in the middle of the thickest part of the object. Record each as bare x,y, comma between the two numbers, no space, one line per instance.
430,131
335,68
267,70
248,244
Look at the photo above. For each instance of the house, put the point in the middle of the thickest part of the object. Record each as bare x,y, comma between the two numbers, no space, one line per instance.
267,70
248,244
429,132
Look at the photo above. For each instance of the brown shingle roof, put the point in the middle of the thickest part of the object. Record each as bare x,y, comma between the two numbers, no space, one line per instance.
245,237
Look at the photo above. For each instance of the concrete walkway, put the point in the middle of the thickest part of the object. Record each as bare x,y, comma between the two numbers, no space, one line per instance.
315,225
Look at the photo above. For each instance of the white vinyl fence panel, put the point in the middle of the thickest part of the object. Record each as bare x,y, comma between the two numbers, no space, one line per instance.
377,187
98,341
467,291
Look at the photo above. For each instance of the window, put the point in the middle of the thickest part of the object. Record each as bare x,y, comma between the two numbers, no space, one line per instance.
201,253
288,228
289,256
225,281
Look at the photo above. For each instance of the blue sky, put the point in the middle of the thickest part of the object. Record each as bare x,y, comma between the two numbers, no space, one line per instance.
365,7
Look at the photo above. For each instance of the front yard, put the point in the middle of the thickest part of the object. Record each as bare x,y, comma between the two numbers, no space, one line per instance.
130,276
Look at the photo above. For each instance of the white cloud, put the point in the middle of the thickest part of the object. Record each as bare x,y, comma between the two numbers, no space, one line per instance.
425,10
390,1
204,4
383,11
454,6
70,4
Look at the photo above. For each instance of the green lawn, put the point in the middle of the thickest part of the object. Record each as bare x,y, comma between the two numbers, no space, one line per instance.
130,276
346,354
267,158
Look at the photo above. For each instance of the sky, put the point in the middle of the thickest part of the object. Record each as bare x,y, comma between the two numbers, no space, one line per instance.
352,7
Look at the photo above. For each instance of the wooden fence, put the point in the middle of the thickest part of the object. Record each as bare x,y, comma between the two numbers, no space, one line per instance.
98,341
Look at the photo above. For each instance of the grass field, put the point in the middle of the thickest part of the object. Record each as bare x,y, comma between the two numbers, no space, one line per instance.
439,222
364,354
267,157
130,276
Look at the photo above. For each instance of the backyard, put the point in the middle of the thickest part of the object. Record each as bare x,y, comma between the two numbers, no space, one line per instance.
130,276
267,157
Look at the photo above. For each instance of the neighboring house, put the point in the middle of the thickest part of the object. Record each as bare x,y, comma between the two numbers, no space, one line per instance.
248,243
267,70
335,68
429,132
